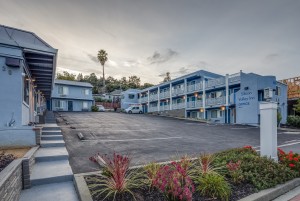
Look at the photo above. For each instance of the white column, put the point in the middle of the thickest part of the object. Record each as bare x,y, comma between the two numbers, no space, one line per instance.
158,99
268,129
227,98
170,96
203,97
148,102
185,99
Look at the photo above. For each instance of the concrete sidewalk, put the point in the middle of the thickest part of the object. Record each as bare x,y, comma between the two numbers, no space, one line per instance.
293,195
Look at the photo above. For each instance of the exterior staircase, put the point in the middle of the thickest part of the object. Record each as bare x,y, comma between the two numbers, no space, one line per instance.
51,177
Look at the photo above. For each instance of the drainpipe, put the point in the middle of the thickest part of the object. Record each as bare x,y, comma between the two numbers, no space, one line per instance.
227,99
148,97
203,97
185,99
170,96
158,99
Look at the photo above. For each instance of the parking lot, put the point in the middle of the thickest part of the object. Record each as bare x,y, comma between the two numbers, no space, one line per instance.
152,138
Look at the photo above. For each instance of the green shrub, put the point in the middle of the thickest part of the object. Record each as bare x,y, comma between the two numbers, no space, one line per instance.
279,118
94,108
293,121
213,186
260,171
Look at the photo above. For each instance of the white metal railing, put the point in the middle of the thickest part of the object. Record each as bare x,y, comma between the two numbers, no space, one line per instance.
194,87
165,94
215,82
153,97
234,78
194,104
178,106
215,101
144,99
177,91
164,107
153,109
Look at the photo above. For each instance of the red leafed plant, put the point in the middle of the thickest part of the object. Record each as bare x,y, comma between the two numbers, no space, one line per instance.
235,171
174,182
118,179
291,160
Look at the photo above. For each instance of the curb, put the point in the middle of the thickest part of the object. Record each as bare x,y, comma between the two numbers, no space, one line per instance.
272,193
82,189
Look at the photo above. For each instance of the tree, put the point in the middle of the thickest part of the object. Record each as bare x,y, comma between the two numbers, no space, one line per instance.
79,77
297,106
65,76
102,58
146,85
167,78
134,82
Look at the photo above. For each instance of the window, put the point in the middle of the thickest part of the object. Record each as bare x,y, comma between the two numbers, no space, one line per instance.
131,96
278,91
86,92
26,90
221,113
85,105
59,104
62,90
214,114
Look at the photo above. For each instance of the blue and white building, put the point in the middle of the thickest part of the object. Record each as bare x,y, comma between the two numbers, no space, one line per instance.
71,96
204,95
27,72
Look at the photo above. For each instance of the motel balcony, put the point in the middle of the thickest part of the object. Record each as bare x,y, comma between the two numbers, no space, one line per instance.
164,107
216,101
176,92
234,78
153,97
178,106
195,104
144,99
194,87
153,109
165,94
215,83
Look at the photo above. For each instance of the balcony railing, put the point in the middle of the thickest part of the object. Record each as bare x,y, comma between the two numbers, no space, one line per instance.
153,109
178,106
153,97
215,82
144,99
164,107
194,104
165,94
234,78
176,92
194,87
215,101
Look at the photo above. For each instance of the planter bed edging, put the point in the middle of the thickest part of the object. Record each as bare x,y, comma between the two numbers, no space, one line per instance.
28,162
272,193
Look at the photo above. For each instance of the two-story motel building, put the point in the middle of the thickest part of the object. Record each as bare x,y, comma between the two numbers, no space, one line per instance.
204,95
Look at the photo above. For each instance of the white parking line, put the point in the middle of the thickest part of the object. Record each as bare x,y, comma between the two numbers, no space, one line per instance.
128,140
283,145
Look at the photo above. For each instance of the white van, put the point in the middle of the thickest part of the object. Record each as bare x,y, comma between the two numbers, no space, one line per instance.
134,109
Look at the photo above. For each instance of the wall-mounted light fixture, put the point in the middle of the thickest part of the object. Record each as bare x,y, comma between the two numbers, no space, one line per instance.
201,110
222,108
196,95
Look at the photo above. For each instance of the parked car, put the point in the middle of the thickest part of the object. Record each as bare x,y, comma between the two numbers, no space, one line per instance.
101,108
134,109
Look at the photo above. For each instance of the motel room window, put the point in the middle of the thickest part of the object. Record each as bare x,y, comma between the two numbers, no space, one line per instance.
26,91
278,91
63,90
85,105
59,104
214,114
131,96
86,92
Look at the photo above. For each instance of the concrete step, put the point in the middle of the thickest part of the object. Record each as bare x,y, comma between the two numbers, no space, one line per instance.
52,143
51,172
54,132
52,137
51,128
64,191
51,154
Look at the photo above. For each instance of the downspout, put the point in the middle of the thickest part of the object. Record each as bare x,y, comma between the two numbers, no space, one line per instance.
227,99
203,97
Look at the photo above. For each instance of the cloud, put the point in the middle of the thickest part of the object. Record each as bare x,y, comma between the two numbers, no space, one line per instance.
93,58
162,57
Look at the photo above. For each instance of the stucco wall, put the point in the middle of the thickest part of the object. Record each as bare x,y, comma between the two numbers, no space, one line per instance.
75,92
11,89
126,101
17,137
77,105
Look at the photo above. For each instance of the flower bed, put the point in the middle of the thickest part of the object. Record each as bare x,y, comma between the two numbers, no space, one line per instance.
5,159
228,175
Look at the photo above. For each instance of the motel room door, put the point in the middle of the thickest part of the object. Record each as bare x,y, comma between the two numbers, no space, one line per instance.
70,106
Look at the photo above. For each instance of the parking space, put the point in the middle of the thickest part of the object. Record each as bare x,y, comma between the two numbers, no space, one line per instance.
151,138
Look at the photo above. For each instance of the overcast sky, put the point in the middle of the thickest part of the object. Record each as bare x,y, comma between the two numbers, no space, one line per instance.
148,38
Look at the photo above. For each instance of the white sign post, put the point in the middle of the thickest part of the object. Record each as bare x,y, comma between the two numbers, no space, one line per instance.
268,129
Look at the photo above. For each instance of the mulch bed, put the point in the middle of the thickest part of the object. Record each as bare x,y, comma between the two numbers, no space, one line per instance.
5,160
238,192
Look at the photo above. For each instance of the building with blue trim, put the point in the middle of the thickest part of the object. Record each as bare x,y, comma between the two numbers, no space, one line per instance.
71,96
27,72
204,95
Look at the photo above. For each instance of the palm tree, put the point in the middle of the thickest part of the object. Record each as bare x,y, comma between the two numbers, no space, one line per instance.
102,58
